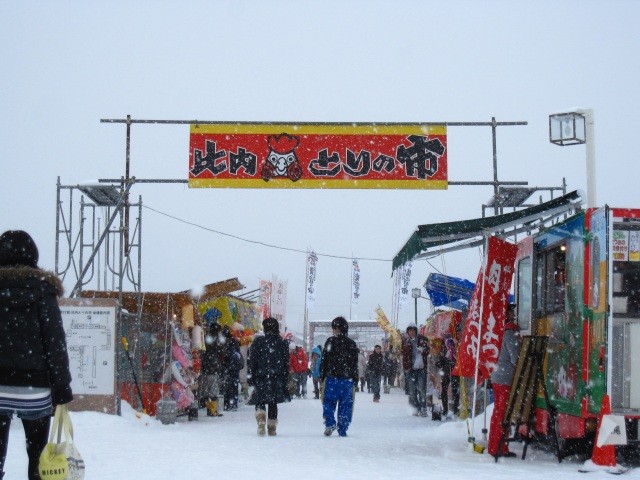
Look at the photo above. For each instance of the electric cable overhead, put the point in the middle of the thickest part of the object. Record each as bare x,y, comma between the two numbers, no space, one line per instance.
257,242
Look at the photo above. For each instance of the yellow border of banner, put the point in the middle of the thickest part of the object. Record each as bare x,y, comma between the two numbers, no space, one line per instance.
318,183
319,129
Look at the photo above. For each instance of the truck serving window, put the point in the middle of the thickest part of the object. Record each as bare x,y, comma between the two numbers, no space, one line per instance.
551,280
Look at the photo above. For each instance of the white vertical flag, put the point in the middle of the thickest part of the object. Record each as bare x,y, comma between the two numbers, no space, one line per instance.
355,282
279,299
405,281
312,260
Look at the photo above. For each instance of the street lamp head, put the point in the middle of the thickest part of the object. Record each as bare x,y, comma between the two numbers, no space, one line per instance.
567,128
415,293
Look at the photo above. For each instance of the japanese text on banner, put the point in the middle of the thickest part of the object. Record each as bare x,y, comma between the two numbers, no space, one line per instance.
312,260
355,282
484,325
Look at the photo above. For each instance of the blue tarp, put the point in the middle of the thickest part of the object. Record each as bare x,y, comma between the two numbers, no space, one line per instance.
451,291
448,291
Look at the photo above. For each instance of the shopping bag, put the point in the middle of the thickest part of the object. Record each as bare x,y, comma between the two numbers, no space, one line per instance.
61,460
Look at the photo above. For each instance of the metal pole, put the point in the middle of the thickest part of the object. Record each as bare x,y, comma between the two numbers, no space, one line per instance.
57,249
416,311
496,210
128,120
306,312
591,156
126,179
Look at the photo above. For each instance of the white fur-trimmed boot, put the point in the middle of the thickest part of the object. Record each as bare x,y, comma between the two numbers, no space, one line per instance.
261,418
271,427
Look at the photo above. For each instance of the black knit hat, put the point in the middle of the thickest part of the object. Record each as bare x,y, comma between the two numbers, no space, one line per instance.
270,325
18,248
340,324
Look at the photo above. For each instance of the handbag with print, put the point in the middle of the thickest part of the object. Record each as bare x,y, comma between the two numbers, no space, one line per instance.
60,459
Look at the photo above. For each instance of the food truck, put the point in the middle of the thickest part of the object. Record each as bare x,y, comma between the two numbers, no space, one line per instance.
577,282
577,287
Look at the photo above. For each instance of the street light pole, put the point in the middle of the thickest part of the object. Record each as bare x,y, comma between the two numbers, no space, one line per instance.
415,293
577,128
591,156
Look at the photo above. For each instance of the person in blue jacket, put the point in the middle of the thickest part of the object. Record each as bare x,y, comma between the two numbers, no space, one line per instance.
339,374
316,358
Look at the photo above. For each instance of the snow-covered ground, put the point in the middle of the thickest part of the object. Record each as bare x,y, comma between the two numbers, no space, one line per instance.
385,441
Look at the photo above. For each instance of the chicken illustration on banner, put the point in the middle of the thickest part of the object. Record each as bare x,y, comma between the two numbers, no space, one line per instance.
484,325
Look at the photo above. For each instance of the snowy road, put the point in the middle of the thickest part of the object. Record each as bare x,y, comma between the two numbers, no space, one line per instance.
385,441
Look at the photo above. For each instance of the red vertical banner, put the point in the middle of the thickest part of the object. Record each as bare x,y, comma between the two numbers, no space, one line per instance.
484,325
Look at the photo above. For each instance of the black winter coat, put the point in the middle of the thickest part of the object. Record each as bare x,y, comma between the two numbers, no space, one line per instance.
268,370
210,358
233,359
33,348
375,363
339,358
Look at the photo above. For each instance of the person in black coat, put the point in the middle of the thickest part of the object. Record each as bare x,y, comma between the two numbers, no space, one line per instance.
211,369
233,362
34,365
268,373
339,374
375,371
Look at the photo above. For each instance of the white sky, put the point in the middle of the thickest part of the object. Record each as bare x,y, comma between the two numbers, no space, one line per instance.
67,64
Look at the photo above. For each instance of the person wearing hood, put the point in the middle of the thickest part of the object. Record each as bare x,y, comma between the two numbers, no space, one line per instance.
34,365
501,381
339,374
268,373
316,358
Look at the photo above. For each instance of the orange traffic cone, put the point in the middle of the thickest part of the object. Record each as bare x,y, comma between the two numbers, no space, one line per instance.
604,455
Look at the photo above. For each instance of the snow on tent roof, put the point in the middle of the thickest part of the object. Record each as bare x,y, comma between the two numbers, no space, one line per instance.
429,240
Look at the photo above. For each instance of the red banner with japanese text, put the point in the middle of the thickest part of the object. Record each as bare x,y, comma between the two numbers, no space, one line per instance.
482,334
322,155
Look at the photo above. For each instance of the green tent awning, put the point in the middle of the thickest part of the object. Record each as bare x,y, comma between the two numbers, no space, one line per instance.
433,237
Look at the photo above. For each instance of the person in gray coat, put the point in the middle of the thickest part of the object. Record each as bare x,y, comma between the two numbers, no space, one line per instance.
501,380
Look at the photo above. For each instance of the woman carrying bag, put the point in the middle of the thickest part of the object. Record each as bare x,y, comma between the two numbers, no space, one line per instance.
34,366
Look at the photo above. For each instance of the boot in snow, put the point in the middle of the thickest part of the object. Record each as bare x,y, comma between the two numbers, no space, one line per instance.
212,409
261,418
271,427
192,413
